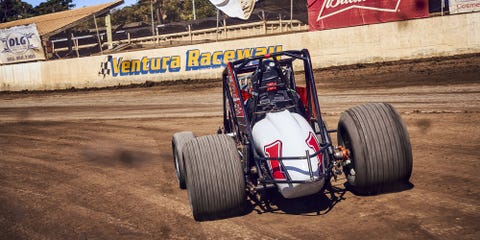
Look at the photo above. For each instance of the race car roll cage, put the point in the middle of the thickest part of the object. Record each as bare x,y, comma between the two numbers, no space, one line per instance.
239,124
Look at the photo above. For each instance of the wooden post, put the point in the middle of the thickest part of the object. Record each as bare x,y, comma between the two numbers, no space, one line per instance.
225,27
291,12
75,42
264,22
190,33
98,35
108,25
217,22
280,22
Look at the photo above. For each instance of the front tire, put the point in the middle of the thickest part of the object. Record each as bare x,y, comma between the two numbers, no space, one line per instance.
215,180
380,148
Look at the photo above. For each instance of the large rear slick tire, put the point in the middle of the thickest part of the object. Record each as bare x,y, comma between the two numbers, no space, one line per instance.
215,180
178,142
380,148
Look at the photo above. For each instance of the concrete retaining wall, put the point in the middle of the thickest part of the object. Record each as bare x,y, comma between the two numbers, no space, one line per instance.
420,38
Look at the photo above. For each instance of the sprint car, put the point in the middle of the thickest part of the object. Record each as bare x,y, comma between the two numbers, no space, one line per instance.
274,137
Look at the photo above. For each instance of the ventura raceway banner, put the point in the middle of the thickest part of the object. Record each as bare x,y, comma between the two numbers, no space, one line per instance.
328,14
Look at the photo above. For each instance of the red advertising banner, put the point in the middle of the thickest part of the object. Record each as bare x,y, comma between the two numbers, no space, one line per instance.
328,14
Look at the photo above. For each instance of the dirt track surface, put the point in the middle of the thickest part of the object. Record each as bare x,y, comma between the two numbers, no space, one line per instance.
98,164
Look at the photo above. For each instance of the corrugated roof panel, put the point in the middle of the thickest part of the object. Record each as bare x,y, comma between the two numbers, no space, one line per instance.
53,23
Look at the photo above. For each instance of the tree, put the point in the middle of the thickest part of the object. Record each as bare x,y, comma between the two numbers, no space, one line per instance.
164,11
51,6
203,9
13,9
128,14
182,10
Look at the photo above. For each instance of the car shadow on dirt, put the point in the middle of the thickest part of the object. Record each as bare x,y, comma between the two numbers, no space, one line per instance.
393,188
320,203
317,204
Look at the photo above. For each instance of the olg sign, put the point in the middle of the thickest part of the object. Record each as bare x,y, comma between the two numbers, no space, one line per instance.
18,43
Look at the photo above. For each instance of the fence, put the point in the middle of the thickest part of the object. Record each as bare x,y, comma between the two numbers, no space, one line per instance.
88,44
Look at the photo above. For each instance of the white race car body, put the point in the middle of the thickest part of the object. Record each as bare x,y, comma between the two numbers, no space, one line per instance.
287,134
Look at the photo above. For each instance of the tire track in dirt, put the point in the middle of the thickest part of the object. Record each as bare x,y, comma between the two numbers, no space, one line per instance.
101,166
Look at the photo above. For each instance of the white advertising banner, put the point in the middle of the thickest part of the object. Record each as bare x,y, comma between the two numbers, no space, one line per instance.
20,44
235,8
462,6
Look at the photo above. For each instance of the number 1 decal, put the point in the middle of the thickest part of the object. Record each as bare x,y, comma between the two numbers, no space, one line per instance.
312,142
274,150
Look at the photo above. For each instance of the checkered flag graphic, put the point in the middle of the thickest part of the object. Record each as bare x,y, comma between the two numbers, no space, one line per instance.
105,67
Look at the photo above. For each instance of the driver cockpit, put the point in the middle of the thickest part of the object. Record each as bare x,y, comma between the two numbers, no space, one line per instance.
272,91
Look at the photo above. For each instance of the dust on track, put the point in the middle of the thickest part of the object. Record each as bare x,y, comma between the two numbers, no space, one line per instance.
97,164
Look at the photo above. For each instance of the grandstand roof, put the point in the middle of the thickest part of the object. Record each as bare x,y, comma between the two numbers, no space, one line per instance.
53,23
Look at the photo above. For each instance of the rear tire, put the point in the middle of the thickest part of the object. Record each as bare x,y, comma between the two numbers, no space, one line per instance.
380,148
215,180
178,142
